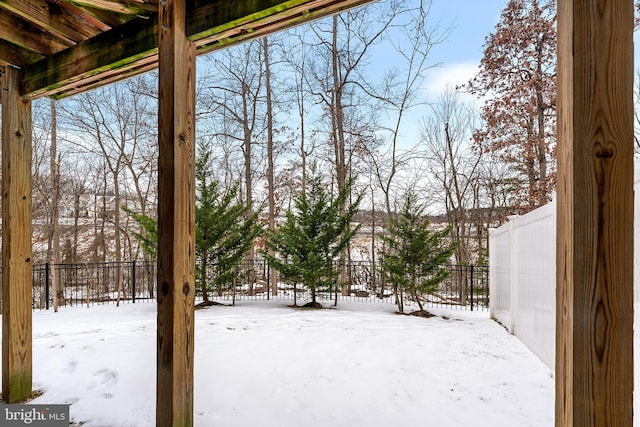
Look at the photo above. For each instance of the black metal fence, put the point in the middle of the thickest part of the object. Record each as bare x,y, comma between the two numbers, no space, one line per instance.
94,283
466,286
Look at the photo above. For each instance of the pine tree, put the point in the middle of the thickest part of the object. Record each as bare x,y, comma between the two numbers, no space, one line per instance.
414,255
309,242
148,236
223,231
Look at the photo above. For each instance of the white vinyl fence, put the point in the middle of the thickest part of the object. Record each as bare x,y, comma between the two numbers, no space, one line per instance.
522,280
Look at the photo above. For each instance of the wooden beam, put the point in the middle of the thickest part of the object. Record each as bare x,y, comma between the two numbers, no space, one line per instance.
210,21
112,19
86,17
18,56
176,218
236,30
594,349
211,24
122,6
108,78
119,48
16,240
52,17
24,34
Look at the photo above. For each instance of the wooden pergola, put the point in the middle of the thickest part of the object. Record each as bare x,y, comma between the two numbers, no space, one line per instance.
58,48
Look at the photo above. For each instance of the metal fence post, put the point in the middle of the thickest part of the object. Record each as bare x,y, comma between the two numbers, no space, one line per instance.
471,287
133,281
268,273
46,285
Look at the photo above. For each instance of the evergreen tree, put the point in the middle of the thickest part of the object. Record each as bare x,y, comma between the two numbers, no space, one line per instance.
309,242
148,236
224,233
414,254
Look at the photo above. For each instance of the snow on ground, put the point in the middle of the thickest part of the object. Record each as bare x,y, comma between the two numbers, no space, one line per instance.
262,363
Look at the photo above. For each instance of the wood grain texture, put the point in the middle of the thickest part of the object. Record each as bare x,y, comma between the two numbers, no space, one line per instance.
16,240
122,6
51,17
176,219
111,19
114,50
29,36
12,54
594,348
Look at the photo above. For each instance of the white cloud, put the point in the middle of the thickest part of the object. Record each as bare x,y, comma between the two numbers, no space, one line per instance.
450,75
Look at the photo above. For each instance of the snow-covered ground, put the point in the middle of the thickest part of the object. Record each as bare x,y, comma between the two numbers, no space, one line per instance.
264,364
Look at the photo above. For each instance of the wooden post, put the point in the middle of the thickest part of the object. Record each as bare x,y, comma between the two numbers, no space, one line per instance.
16,239
594,349
176,218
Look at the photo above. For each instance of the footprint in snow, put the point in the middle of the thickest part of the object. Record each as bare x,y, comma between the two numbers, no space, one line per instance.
104,378
71,367
46,335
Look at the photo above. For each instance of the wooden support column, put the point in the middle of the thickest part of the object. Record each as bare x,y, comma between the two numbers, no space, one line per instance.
594,349
176,218
16,239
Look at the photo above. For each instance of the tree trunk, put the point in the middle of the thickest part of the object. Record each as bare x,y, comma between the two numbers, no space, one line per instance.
540,146
76,220
460,219
417,298
203,276
397,293
116,234
303,150
337,118
101,249
54,257
295,295
248,179
374,284
271,221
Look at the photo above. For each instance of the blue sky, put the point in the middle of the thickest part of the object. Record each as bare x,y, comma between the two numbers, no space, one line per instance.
460,54
471,22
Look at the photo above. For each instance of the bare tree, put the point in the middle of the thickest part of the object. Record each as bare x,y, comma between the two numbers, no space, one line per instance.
295,54
111,123
54,235
236,97
46,184
494,202
78,187
401,89
40,172
447,137
271,218
339,55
